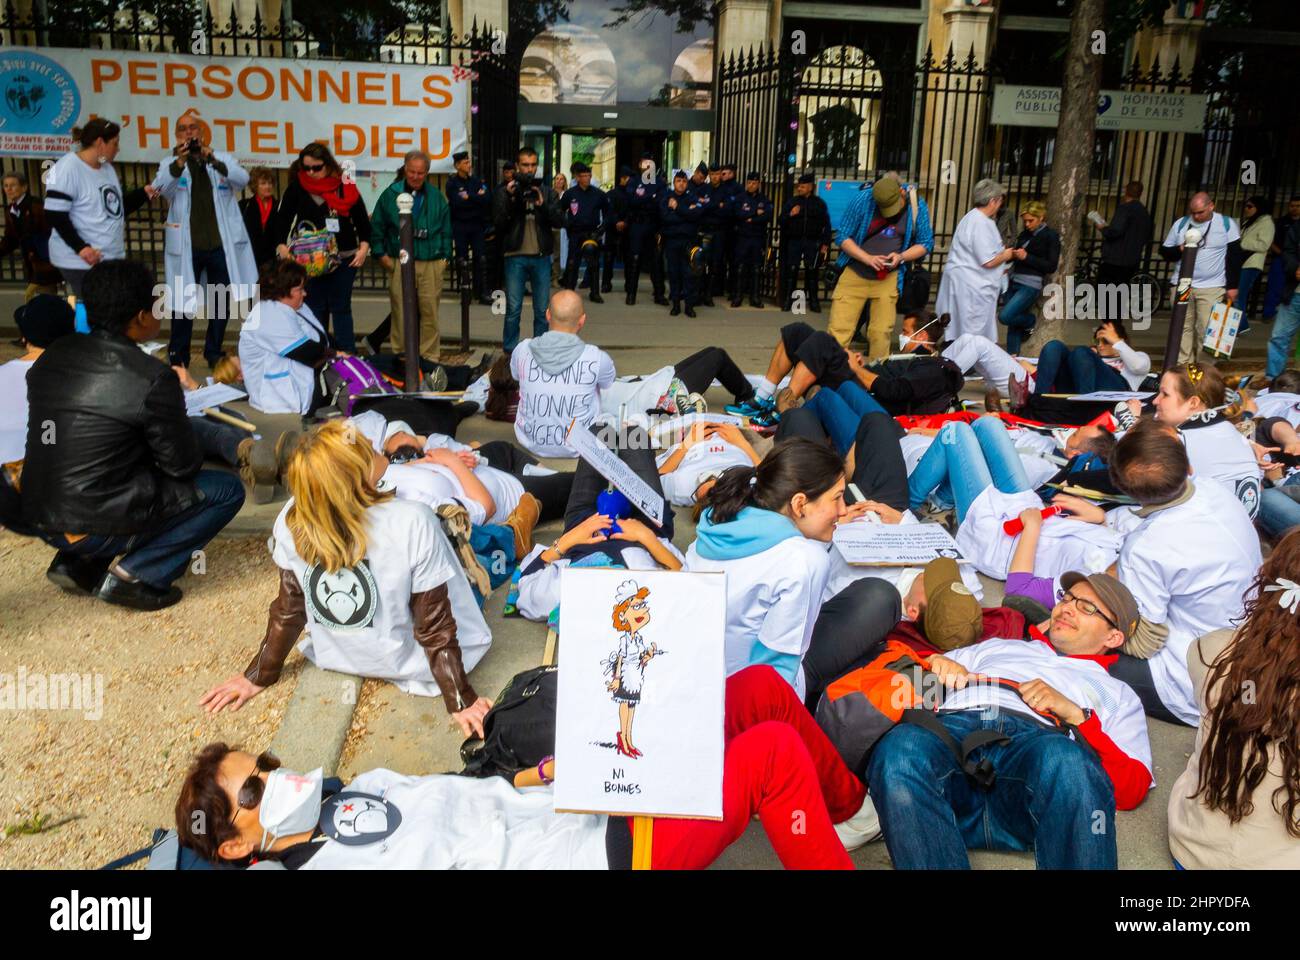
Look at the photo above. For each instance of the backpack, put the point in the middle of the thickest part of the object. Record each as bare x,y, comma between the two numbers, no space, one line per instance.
519,730
344,379
936,381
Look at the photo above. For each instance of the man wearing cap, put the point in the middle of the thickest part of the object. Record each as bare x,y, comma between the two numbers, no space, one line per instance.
586,213
616,235
643,230
728,191
1063,743
679,218
805,239
751,214
713,213
884,229
471,206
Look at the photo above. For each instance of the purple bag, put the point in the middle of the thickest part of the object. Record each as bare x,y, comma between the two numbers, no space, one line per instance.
344,379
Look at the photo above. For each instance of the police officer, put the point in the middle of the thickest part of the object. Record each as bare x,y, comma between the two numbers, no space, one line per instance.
751,214
471,209
616,235
708,195
586,218
643,229
728,191
679,218
805,238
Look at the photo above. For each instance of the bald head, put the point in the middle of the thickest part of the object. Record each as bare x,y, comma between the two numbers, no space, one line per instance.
565,312
1201,206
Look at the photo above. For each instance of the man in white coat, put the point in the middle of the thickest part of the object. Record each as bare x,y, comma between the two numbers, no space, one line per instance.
204,238
972,274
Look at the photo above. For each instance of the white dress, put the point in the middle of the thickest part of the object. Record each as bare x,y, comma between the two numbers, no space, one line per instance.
968,290
631,669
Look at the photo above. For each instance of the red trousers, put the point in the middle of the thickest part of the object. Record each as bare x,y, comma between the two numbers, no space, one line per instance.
779,765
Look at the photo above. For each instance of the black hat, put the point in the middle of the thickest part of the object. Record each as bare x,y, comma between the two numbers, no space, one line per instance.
458,157
682,174
729,166
508,165
753,175
806,178
625,171
716,168
702,167
647,155
578,167
44,319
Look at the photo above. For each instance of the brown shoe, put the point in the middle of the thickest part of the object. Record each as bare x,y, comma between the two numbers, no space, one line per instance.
1018,393
992,400
456,524
522,520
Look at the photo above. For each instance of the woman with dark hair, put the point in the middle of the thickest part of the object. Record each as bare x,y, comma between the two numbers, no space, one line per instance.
1108,364
320,197
1237,805
282,344
769,528
84,205
1256,237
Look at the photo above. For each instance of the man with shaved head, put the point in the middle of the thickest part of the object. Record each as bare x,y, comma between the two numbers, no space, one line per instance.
1217,265
560,379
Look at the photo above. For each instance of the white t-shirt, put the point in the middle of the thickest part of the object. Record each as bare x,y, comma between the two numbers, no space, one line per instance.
13,410
773,599
1285,405
276,384
548,403
445,822
1133,365
505,488
92,197
708,456
1218,451
539,590
1082,681
359,618
1212,256
1188,566
432,486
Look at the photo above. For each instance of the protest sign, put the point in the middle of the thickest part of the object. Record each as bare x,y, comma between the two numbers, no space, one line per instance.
606,462
893,544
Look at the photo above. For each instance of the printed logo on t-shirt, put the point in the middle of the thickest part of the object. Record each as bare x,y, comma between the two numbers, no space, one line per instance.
356,819
343,600
1248,494
112,201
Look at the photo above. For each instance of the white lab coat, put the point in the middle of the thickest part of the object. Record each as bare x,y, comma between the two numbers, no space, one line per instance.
178,254
968,290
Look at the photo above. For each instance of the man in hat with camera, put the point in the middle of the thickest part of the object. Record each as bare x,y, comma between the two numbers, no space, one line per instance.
586,214
805,239
471,205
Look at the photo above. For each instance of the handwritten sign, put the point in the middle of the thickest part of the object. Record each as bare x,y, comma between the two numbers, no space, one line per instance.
1111,396
210,396
639,718
893,544
606,462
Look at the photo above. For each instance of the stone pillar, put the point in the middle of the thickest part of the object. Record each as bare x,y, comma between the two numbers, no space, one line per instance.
489,15
743,24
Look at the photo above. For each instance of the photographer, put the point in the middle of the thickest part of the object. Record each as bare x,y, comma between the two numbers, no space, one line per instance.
524,212
205,238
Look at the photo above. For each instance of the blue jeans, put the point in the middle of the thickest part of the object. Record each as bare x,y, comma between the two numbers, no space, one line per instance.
1278,513
963,460
1285,326
1051,795
330,297
209,268
1017,314
1090,372
219,441
536,270
161,556
1249,275
1273,292
841,410
1053,375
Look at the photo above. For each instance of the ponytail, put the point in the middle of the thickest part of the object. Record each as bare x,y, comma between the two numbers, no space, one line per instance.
793,466
96,128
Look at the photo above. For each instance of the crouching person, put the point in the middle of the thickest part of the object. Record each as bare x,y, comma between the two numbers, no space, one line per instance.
373,580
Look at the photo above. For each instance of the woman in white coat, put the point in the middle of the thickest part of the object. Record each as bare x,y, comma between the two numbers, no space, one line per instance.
204,238
972,274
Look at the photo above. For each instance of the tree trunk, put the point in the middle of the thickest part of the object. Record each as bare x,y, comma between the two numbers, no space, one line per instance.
1072,159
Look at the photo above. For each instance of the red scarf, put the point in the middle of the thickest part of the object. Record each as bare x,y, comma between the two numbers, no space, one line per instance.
264,208
328,189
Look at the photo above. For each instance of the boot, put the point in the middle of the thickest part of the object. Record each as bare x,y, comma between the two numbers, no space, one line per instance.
690,311
677,308
633,278
754,301
660,299
595,296
522,521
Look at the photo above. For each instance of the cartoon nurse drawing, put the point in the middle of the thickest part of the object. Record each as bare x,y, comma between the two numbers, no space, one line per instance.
626,665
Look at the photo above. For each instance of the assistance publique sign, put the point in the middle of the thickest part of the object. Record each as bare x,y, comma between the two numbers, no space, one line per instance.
1022,106
263,110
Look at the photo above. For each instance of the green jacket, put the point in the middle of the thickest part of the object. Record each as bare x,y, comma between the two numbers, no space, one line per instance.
434,218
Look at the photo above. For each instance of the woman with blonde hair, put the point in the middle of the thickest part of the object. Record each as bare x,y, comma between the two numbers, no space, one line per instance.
1034,256
372,579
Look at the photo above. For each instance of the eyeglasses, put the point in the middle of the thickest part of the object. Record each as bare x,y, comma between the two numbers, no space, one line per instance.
312,168
250,794
1088,608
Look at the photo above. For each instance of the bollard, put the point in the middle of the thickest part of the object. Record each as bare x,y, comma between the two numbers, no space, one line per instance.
1182,300
410,304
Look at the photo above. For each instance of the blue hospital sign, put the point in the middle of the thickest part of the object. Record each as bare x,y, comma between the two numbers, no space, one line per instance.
39,104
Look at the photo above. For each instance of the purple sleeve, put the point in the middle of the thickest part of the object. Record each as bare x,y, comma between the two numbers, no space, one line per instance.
1035,588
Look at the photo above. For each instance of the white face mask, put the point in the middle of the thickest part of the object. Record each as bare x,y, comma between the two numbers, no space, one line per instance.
904,340
290,804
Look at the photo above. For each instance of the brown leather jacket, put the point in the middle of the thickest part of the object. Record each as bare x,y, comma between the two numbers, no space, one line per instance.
435,631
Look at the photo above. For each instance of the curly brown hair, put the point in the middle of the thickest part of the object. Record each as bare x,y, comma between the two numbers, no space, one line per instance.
620,611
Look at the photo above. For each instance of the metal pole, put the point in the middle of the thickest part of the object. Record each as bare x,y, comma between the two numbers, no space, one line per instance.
462,271
410,306
1182,299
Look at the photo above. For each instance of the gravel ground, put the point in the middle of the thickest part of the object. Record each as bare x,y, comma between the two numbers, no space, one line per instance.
118,775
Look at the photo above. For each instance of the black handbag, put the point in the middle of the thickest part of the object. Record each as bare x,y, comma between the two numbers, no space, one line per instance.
916,280
519,730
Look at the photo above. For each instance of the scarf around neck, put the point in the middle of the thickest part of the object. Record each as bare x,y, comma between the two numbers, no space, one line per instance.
327,188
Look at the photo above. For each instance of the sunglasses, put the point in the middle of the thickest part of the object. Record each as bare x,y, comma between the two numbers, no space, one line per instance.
250,794
313,168
1088,607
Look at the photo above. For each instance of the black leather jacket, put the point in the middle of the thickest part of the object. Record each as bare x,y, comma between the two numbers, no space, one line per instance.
508,213
110,450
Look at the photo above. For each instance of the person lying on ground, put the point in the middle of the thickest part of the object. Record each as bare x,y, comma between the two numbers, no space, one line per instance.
778,766
689,468
371,578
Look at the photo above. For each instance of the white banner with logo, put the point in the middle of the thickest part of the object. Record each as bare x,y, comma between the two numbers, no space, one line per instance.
263,110
1021,106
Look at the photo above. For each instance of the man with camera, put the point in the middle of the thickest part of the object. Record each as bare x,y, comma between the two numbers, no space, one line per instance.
205,239
524,212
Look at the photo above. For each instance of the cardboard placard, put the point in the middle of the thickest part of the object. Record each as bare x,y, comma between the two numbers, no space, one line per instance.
606,462
1221,331
865,544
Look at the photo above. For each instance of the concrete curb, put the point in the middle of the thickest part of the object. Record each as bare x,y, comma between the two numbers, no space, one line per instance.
317,720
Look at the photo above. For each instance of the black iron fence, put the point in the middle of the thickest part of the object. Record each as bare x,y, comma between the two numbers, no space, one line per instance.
183,28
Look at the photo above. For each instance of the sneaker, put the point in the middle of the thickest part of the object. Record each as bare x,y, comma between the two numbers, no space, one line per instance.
436,381
77,575
455,523
861,828
136,594
767,420
753,407
522,520
696,403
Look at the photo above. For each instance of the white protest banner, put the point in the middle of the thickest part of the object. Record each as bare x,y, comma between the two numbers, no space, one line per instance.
893,544
639,721
264,110
606,462
1111,396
